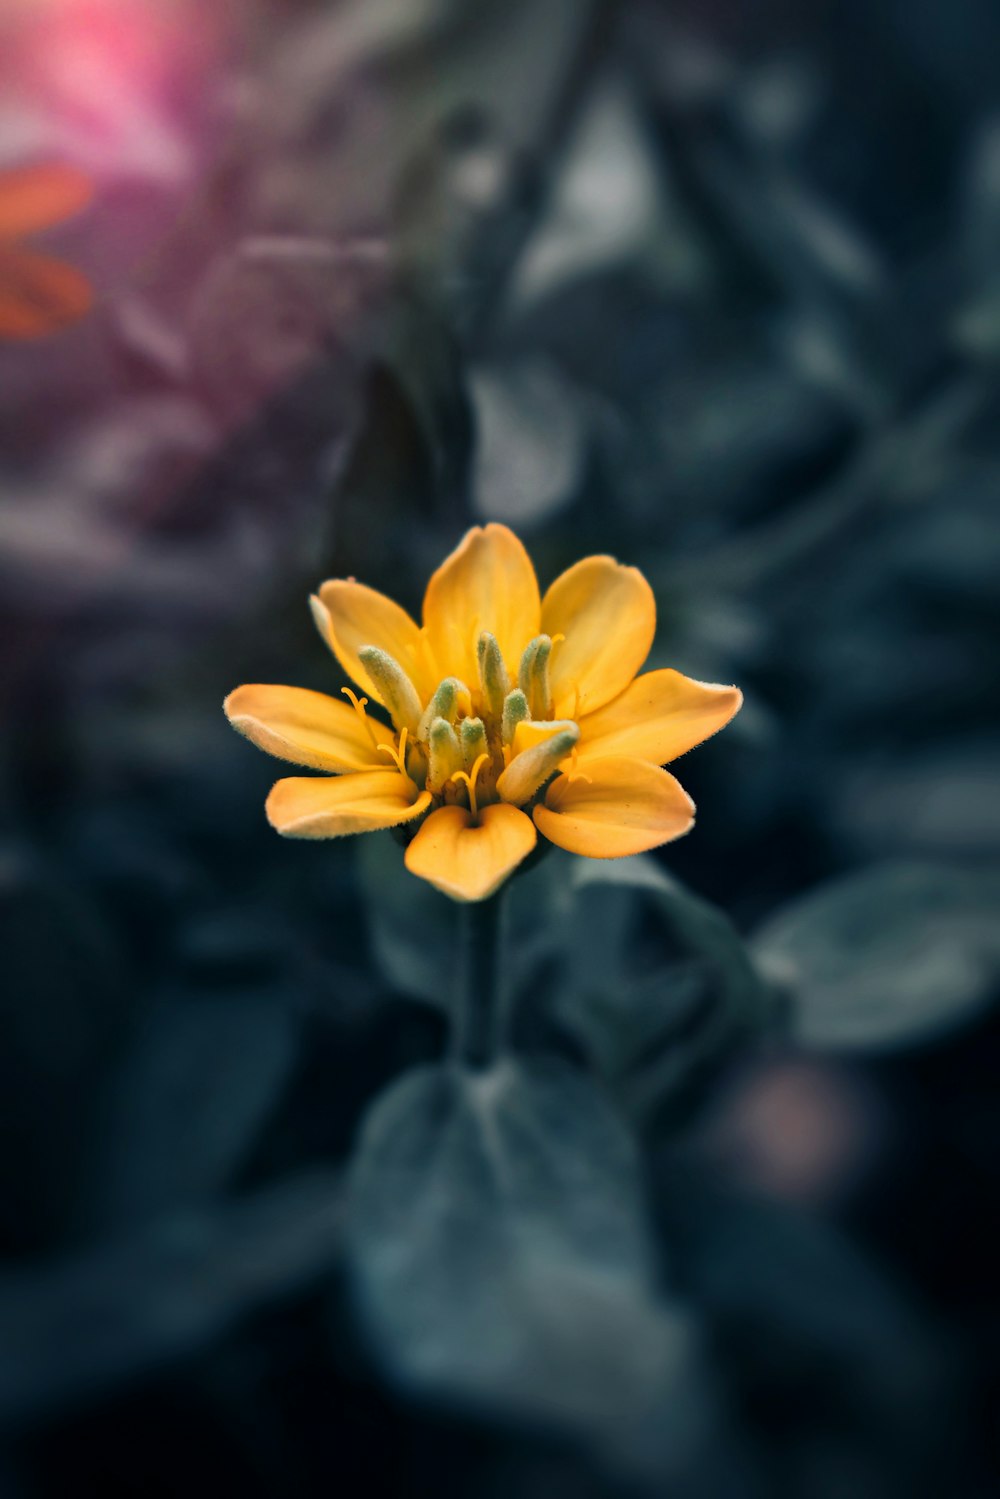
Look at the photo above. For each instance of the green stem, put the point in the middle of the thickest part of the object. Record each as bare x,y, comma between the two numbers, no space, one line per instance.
476,1036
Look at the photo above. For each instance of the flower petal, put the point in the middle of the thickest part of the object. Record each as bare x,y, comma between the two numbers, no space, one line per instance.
38,294
308,728
36,197
330,806
488,583
469,860
608,615
620,807
660,715
350,616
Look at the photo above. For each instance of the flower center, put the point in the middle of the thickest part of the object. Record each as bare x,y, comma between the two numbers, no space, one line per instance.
471,746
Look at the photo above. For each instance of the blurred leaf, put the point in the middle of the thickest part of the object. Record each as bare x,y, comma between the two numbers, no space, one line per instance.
71,1328
803,1321
892,956
64,1007
202,1078
413,928
498,1239
606,209
653,981
269,309
531,442
941,801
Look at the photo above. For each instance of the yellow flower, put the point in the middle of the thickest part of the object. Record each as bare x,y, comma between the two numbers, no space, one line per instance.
511,714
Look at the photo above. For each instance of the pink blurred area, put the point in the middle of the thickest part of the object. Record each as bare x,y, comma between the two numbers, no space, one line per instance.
110,85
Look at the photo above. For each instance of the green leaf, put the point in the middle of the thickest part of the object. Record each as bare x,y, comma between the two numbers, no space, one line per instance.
892,956
76,1326
497,1236
653,981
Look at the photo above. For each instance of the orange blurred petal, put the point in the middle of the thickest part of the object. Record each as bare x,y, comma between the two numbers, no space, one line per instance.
39,295
35,198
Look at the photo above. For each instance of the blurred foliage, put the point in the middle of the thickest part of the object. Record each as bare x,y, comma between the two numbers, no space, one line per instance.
713,290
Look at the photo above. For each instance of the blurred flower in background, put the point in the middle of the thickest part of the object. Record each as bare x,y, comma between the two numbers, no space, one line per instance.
39,294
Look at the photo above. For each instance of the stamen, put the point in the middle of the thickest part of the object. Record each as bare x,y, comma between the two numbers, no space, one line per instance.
473,740
470,778
528,771
533,676
451,698
515,710
445,754
359,705
397,753
395,688
493,678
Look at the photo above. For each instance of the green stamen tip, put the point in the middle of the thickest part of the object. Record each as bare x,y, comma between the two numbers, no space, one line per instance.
533,677
394,687
445,754
515,710
474,743
529,770
493,677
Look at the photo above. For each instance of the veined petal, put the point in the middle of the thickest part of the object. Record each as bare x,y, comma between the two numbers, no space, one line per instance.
38,294
350,616
308,728
618,807
330,806
36,197
488,583
607,614
660,715
469,860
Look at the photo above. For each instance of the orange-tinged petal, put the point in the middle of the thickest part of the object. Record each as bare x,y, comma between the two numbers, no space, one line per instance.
488,583
308,728
469,860
531,732
350,616
660,715
39,295
608,615
618,807
330,806
34,198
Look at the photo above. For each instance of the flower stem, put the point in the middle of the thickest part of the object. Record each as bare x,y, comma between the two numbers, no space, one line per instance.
476,1035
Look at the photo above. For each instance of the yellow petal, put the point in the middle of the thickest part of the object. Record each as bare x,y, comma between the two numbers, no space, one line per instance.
350,616
488,583
608,615
308,728
33,198
469,860
660,715
625,807
329,807
532,731
39,295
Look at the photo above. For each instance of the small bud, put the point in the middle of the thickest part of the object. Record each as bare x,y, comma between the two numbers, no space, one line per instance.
445,754
515,710
493,677
532,767
473,738
394,687
451,697
533,677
